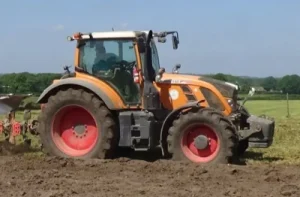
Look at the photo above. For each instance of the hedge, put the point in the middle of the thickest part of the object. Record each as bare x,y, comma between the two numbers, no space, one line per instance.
271,97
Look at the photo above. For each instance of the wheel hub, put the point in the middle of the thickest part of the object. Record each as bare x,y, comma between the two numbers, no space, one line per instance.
201,142
80,129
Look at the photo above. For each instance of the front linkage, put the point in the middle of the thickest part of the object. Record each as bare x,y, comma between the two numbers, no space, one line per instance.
253,131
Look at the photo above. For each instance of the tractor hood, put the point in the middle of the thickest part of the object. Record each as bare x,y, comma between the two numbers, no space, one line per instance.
227,89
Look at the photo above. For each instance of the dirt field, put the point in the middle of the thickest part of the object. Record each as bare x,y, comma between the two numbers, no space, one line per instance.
49,176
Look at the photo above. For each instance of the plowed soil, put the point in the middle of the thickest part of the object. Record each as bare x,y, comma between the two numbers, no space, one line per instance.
56,177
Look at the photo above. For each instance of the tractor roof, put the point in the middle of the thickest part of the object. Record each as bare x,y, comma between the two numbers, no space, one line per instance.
110,34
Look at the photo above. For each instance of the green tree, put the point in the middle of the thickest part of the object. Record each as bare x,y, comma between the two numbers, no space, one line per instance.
269,83
290,84
220,76
26,82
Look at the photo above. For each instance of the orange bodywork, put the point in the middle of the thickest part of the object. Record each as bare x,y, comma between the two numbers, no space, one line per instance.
193,83
177,80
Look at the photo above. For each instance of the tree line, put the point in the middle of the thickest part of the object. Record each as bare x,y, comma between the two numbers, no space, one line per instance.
35,83
25,83
286,84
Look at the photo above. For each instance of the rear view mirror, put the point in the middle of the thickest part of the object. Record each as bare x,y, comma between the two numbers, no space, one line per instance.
175,42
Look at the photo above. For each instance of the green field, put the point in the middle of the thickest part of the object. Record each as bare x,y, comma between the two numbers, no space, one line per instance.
286,146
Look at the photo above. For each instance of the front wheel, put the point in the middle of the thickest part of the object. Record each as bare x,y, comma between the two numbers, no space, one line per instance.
75,123
203,136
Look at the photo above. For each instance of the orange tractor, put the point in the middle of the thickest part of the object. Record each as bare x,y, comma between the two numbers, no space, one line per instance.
119,97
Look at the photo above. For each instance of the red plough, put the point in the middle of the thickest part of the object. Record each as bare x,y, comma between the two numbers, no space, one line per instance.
9,126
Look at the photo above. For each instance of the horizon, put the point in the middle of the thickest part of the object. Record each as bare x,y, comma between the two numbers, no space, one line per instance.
255,39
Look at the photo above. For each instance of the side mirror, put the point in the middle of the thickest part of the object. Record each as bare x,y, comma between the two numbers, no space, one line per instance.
175,42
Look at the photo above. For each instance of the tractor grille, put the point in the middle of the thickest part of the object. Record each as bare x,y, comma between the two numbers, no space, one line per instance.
188,93
212,99
225,90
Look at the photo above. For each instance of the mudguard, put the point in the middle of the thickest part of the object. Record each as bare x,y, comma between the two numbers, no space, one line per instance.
170,118
78,82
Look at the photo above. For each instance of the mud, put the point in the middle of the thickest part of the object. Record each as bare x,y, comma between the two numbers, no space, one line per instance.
22,175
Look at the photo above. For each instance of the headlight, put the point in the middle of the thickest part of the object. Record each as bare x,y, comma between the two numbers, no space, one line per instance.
232,103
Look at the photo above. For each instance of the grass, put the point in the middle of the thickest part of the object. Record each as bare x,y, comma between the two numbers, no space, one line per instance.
286,145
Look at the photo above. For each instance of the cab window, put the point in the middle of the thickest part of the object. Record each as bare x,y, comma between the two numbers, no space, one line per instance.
111,61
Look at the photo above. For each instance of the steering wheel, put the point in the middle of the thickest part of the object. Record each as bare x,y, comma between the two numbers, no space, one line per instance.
111,72
126,65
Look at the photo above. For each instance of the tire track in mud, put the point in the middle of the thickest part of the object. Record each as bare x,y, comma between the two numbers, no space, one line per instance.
56,177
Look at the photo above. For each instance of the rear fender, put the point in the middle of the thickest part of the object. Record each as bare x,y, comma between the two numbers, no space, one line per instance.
53,88
169,119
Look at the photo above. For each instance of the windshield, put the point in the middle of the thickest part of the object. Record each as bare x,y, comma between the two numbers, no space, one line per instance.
101,55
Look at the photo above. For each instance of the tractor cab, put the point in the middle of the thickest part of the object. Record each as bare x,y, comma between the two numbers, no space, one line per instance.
123,61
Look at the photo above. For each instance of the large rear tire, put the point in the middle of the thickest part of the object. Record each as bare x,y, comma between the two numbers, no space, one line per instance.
76,123
202,136
242,147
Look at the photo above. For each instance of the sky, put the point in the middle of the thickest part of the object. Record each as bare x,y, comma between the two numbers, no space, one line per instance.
252,38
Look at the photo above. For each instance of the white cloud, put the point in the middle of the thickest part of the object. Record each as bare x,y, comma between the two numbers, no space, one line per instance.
58,27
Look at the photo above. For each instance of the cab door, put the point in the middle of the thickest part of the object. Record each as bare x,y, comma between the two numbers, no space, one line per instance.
113,61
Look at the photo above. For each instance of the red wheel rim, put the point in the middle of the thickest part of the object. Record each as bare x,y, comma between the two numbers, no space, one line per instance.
195,154
74,131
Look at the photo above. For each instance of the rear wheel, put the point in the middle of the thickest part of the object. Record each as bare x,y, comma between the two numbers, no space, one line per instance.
75,123
203,136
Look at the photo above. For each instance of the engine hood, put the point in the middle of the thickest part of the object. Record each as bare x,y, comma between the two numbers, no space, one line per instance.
227,89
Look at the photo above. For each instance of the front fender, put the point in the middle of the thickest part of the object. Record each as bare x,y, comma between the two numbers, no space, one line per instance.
169,119
75,82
